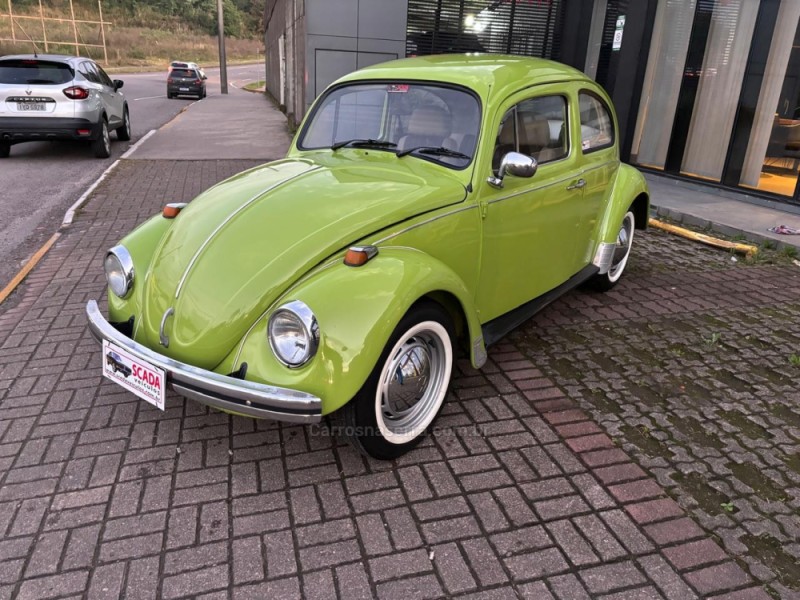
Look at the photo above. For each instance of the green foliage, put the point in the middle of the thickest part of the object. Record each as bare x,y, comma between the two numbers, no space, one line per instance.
242,17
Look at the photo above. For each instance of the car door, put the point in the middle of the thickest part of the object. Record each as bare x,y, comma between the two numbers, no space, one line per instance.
599,157
530,225
112,98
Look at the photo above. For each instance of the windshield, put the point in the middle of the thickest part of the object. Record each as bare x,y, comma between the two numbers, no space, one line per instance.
32,71
400,118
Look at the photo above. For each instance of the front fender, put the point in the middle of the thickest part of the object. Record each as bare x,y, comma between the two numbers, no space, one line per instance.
357,309
141,243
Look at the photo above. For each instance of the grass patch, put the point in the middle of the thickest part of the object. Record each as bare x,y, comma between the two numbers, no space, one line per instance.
255,86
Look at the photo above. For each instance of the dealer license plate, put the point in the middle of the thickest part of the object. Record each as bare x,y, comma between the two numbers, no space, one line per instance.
135,375
24,106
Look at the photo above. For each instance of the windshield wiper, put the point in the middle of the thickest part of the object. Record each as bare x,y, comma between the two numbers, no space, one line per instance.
367,142
439,151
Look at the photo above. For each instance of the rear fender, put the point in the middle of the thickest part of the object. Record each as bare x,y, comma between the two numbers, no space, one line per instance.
628,191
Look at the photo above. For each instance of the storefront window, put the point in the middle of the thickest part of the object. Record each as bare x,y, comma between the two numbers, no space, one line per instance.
662,82
719,83
773,155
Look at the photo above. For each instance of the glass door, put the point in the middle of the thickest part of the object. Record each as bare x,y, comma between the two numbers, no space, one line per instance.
773,154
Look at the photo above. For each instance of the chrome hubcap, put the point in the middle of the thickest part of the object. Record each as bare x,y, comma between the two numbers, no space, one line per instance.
413,383
622,248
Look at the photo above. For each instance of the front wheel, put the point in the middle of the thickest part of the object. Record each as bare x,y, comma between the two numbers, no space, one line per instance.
404,393
622,252
124,132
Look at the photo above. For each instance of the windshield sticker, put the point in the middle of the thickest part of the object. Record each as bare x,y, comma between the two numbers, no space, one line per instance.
397,88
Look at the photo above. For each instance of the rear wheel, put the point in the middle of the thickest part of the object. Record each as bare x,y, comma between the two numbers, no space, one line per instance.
5,149
124,131
622,252
102,145
403,395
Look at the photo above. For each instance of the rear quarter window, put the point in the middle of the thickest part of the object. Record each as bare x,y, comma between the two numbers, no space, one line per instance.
34,72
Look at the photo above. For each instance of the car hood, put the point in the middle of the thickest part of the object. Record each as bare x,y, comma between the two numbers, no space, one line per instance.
231,253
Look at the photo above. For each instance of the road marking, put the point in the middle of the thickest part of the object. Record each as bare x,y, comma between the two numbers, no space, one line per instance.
150,97
34,260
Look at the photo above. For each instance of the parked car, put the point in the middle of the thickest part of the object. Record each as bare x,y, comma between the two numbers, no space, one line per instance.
49,97
188,81
426,206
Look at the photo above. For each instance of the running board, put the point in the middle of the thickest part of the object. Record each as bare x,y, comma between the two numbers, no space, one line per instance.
497,328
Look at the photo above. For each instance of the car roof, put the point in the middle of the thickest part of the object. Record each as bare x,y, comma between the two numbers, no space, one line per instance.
50,57
490,75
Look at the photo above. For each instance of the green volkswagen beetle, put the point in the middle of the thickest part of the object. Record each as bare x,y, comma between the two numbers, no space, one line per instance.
426,206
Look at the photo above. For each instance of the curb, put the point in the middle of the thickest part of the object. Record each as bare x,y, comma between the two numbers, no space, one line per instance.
726,230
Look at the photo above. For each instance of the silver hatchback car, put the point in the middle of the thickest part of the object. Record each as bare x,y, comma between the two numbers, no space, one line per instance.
53,97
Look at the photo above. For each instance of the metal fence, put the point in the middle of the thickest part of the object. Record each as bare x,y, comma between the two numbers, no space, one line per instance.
33,29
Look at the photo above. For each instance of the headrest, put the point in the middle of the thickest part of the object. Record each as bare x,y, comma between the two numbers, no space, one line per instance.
430,121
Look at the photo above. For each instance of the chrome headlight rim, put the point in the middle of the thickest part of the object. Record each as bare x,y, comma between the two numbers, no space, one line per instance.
125,260
305,317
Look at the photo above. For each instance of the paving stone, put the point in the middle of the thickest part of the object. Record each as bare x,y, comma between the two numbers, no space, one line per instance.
562,469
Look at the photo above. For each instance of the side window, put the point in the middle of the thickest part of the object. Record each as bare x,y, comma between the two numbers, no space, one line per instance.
104,79
597,128
542,127
88,72
506,139
536,127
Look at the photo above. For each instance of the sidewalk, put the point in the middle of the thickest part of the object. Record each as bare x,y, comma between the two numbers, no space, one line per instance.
242,125
723,211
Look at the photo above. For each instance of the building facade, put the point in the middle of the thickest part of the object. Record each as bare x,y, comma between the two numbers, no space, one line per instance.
704,89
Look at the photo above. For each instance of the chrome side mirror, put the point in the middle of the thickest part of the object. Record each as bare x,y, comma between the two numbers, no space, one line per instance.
516,164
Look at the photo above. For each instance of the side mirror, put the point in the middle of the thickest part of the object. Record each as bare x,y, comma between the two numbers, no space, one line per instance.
118,83
516,164
205,77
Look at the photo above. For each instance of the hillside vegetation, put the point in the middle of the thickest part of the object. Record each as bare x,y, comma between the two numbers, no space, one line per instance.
143,32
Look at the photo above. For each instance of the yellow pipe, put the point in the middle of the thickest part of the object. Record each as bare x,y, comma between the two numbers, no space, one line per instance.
705,239
34,260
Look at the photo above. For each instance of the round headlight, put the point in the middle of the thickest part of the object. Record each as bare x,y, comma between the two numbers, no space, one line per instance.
118,265
293,334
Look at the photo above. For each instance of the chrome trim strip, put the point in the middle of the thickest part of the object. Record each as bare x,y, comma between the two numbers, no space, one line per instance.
228,220
603,256
215,390
425,222
532,190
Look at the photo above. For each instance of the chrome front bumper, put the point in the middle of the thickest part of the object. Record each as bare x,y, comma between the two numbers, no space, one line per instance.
222,392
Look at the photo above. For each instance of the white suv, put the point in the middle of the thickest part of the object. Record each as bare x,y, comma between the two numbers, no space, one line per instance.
52,97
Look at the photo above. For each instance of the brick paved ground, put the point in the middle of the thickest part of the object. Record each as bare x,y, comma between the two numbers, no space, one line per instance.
521,494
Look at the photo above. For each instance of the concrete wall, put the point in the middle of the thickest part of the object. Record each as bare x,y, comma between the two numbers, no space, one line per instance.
346,35
285,38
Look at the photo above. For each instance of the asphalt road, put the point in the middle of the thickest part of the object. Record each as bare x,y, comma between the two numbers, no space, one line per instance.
41,180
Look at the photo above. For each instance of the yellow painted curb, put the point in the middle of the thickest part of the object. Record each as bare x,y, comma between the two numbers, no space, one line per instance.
23,273
705,239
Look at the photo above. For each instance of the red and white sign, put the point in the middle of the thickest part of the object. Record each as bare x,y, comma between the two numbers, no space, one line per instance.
135,375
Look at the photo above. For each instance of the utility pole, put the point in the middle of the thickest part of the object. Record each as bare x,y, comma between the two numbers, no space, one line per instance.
223,67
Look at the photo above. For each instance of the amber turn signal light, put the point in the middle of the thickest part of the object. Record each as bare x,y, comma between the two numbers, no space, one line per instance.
171,210
359,255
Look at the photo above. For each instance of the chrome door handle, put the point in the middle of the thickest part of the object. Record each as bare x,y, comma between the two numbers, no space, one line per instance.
577,185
